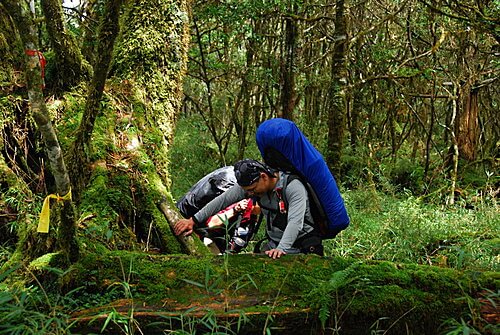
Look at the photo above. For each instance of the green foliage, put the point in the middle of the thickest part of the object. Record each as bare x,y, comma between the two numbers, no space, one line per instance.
69,113
412,231
19,315
476,177
194,154
460,328
188,323
473,322
191,157
407,174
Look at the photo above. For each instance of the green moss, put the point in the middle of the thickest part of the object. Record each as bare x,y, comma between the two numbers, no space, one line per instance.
105,200
45,261
169,242
69,114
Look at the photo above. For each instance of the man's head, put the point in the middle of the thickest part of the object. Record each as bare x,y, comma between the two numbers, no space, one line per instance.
254,177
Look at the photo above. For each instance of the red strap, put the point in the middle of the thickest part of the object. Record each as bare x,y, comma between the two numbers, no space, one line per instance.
281,203
41,59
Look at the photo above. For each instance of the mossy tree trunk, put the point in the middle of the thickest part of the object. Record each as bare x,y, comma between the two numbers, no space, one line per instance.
11,52
33,244
79,160
71,67
151,59
152,55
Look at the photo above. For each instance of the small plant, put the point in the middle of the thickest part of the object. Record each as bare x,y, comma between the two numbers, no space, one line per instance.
31,310
210,284
323,294
187,324
213,285
126,323
454,327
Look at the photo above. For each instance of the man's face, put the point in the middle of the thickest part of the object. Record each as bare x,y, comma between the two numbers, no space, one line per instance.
259,187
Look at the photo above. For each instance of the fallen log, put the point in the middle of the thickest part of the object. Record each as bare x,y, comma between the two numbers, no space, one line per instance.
251,293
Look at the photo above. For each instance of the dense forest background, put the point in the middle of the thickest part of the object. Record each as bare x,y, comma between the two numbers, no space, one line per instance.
112,109
387,90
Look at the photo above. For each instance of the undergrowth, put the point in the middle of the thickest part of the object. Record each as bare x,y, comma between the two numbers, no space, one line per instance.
409,230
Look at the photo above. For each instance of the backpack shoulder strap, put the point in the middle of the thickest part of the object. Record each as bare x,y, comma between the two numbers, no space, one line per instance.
283,203
317,211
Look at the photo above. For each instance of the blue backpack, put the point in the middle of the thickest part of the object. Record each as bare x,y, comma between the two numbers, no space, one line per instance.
284,147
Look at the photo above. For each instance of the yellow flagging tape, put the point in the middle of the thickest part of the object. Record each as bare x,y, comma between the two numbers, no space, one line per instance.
43,223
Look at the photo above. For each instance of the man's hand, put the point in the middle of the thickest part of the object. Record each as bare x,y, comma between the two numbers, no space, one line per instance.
184,226
241,206
275,253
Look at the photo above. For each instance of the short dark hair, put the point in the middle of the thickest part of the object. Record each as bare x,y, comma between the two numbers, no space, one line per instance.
247,171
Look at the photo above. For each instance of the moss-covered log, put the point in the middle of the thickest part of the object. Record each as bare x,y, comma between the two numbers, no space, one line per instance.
291,296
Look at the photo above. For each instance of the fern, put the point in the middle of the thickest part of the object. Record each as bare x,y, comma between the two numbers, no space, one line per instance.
323,293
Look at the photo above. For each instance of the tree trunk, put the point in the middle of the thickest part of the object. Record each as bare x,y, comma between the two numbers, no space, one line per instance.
35,245
452,164
355,119
246,94
11,52
151,62
336,114
288,94
467,128
70,65
92,16
79,159
428,142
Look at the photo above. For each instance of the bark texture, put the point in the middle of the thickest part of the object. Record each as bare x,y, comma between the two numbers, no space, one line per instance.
467,126
288,94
